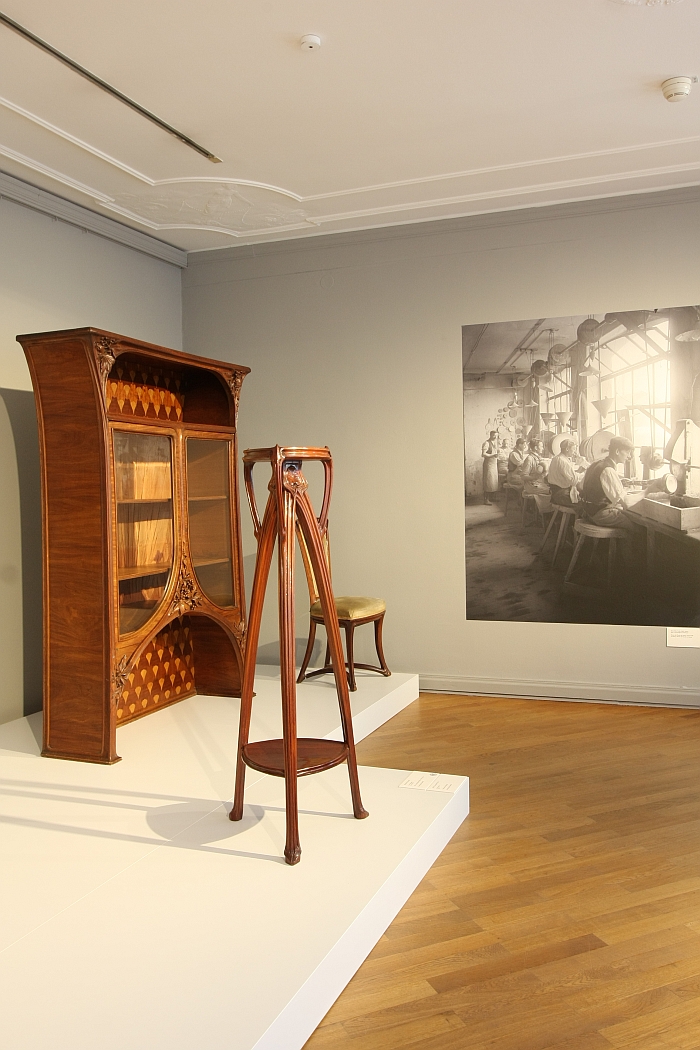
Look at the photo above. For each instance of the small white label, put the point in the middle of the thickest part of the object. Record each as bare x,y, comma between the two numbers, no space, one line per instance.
683,637
432,782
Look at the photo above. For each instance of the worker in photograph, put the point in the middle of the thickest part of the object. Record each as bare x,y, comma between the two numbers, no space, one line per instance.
604,498
517,456
533,466
531,474
565,477
489,451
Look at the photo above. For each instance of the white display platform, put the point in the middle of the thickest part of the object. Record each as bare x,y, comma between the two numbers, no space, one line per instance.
135,914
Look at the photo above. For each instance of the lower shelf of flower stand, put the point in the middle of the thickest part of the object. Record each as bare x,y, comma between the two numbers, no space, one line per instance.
313,755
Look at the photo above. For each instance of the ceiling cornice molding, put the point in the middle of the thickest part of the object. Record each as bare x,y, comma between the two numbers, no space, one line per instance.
522,165
20,192
358,191
254,212
312,242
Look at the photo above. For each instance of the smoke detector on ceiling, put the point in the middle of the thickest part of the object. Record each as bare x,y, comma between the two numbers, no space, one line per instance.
310,42
676,88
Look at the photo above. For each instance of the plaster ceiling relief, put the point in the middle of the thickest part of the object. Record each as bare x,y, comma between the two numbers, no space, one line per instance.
228,207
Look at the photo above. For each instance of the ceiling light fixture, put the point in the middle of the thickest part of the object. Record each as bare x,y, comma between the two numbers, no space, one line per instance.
310,42
104,86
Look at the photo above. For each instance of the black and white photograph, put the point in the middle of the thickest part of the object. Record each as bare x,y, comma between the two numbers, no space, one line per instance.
582,468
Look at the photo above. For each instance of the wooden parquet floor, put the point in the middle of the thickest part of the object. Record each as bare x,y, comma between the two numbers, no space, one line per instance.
565,912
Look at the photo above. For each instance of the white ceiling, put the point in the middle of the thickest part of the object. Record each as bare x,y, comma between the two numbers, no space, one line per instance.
409,111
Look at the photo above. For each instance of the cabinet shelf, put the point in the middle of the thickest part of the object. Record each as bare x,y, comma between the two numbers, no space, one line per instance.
313,756
199,563
133,572
206,499
157,499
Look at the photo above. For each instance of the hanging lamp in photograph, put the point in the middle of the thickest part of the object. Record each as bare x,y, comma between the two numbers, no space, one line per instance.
692,335
587,370
603,405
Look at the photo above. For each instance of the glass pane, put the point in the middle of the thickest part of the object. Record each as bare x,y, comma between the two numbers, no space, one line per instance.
144,490
210,517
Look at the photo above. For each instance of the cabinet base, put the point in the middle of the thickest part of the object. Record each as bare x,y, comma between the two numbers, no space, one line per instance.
95,760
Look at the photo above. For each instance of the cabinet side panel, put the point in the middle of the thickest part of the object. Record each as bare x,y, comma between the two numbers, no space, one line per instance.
76,595
217,663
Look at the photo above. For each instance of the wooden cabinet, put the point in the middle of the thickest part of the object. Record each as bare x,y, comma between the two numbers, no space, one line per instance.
143,581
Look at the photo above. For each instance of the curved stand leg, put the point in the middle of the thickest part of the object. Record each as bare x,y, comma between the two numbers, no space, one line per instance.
262,570
285,548
312,536
309,651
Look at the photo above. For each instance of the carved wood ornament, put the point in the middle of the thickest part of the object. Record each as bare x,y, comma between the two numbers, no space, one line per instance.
187,595
235,381
106,357
119,678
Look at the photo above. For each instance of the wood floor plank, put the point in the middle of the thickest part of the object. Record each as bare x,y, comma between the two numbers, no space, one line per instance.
565,913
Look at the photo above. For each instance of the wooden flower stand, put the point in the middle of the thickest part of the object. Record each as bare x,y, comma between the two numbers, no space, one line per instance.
288,509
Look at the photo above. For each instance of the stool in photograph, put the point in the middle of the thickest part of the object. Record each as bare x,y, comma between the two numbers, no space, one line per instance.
587,530
512,492
566,517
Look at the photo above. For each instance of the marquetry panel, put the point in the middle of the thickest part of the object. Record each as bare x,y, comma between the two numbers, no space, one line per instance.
136,388
164,673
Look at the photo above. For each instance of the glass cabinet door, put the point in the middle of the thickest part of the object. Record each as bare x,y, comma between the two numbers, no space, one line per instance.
210,517
144,496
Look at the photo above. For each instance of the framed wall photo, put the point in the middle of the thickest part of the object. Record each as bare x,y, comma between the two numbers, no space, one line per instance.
582,468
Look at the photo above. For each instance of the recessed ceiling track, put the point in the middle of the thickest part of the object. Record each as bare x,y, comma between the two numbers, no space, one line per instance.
104,86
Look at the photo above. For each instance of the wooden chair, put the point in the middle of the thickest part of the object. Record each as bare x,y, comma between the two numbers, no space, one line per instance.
353,611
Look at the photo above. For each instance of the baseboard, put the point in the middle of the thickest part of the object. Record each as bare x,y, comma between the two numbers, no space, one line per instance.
580,692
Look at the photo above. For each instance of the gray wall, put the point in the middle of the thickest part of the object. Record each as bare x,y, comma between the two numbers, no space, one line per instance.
355,342
54,276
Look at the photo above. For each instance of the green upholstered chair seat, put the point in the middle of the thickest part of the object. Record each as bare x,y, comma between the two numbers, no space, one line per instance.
353,608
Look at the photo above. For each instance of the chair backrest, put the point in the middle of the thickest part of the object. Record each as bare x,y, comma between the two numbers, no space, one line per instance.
308,567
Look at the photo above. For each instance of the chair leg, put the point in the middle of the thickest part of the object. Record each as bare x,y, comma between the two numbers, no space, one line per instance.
309,651
326,667
349,632
378,625
574,557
